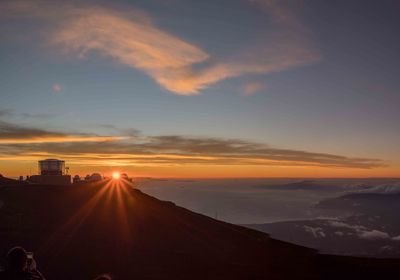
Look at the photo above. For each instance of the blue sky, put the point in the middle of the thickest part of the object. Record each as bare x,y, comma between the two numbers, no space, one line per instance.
299,75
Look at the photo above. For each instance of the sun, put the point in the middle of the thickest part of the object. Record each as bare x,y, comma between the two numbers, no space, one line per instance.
116,175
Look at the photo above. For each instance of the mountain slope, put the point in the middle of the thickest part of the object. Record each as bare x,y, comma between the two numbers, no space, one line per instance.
4,181
77,232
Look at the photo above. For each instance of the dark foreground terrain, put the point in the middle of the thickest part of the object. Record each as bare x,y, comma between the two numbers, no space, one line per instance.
78,232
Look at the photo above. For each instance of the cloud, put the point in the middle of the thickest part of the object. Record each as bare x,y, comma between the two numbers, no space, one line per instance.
59,139
396,238
132,38
283,12
9,113
134,148
391,187
362,232
56,88
5,112
131,132
37,115
317,232
252,88
373,235
16,134
340,224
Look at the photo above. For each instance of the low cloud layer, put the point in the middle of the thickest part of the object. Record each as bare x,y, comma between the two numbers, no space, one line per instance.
362,232
392,187
374,235
133,148
131,37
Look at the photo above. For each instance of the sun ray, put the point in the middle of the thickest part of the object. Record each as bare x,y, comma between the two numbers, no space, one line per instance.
61,237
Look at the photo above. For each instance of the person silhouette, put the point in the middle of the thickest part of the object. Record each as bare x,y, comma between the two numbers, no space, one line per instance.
20,265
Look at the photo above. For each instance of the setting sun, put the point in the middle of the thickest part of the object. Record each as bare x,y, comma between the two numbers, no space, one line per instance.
116,175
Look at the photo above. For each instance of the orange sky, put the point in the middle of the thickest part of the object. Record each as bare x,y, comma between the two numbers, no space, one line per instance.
25,167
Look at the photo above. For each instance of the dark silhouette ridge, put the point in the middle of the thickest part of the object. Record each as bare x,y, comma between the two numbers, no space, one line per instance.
78,232
4,181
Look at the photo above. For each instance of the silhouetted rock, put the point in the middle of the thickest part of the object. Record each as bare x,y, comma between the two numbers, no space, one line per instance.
4,181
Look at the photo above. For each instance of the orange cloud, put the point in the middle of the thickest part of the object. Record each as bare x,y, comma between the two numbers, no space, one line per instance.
21,142
132,38
21,146
16,134
134,42
59,139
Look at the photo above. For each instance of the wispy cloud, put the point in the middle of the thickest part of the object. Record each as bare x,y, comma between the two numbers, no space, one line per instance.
9,113
374,234
252,88
6,112
19,142
283,12
16,134
132,38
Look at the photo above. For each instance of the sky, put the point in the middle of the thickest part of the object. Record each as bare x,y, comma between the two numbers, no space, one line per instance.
173,88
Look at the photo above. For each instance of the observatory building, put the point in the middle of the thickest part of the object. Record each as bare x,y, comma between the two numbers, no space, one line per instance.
51,172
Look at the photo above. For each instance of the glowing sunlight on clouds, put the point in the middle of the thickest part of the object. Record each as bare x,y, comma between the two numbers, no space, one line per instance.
132,38
130,41
17,141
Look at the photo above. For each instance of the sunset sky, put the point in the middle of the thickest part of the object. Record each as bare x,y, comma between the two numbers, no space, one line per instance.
179,88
